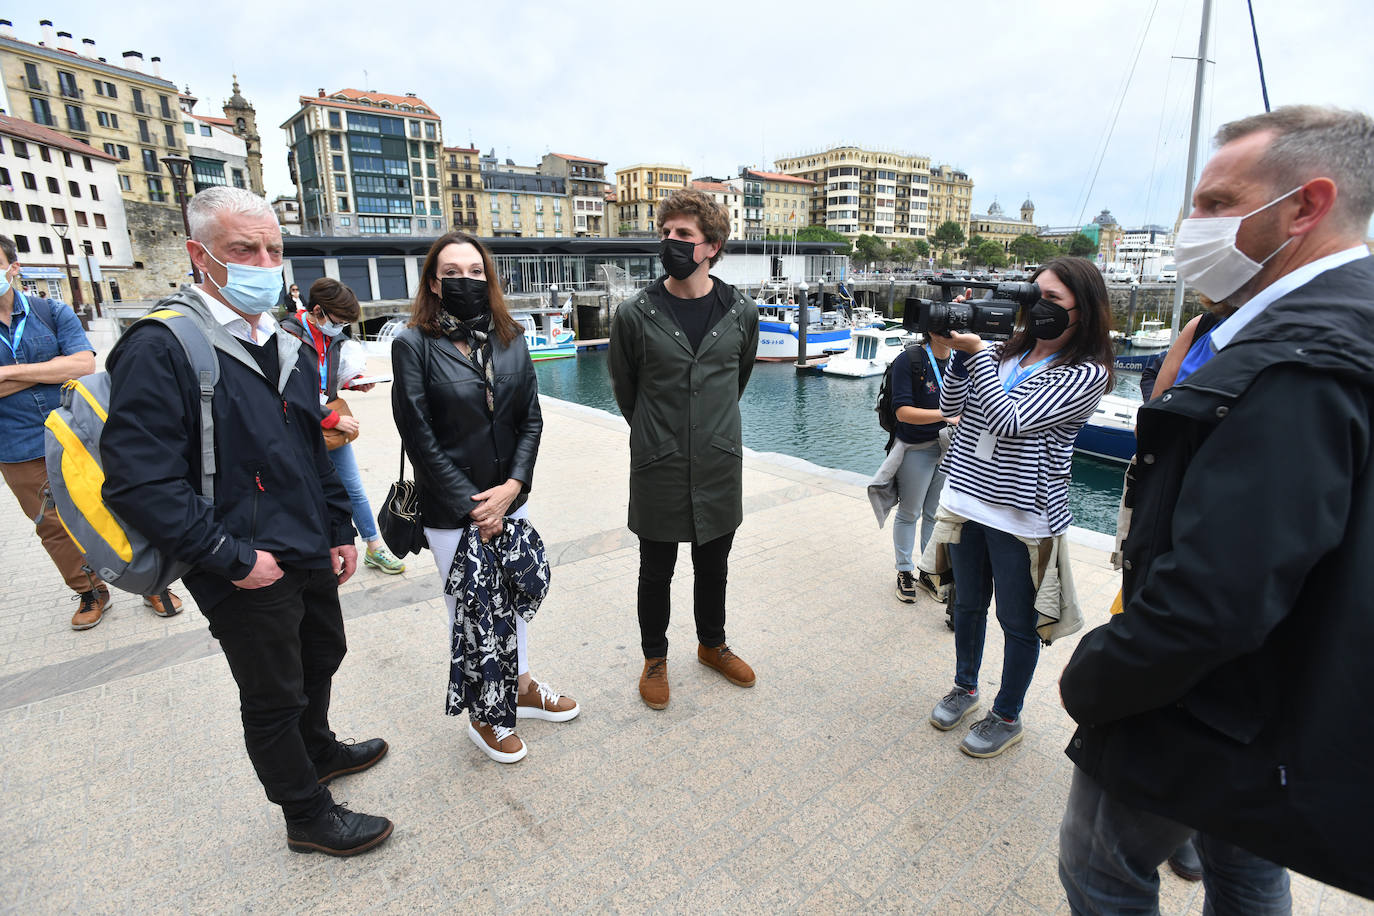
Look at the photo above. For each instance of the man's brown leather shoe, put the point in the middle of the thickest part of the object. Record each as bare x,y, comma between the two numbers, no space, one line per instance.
727,663
91,608
653,683
159,608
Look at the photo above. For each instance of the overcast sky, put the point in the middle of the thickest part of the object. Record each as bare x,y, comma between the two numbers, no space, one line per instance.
1020,95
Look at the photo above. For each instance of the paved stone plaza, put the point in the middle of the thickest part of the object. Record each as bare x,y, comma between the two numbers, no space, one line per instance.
823,789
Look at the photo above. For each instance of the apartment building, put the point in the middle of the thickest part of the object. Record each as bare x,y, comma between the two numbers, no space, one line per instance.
586,181
126,109
951,198
288,214
366,163
64,210
219,156
467,205
523,202
639,189
858,191
786,201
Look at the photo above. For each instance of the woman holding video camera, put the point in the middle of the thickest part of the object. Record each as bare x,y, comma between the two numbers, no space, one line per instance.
1021,404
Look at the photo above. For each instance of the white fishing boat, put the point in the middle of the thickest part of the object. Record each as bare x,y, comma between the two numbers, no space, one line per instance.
826,332
870,352
1109,433
1153,335
545,335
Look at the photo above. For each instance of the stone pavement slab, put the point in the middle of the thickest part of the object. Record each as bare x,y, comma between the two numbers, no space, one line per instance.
821,790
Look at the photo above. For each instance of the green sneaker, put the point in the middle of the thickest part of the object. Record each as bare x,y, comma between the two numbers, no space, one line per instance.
383,560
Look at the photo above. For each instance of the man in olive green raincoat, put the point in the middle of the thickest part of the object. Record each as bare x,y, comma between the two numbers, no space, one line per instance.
680,355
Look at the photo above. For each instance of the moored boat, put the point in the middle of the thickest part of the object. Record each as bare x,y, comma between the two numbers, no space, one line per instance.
870,352
1109,433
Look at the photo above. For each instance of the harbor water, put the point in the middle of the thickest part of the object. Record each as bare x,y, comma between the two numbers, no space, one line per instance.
829,421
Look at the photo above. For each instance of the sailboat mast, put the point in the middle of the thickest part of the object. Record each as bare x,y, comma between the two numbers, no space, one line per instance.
1199,79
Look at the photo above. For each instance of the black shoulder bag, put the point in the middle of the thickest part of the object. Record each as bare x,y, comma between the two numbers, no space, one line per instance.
398,520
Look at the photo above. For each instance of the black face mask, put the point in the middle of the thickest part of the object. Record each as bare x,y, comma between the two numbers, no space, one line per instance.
1047,320
678,257
464,298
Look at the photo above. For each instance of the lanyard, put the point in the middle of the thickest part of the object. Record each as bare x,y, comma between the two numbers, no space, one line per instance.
317,337
939,382
1019,375
17,330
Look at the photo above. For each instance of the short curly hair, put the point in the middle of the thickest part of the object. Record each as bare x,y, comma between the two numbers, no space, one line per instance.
712,218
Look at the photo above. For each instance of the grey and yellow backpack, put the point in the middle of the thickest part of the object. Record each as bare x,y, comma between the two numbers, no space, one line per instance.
114,551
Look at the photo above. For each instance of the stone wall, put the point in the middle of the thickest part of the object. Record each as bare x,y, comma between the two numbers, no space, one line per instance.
157,236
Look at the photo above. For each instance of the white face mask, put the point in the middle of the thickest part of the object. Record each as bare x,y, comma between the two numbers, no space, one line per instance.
1207,257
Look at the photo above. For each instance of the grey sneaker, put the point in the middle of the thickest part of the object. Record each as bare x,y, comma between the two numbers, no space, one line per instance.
906,586
953,708
990,736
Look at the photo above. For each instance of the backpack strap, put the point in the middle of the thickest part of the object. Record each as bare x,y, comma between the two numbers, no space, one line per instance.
189,330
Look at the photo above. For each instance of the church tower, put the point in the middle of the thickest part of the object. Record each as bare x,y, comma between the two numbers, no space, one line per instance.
245,119
1027,210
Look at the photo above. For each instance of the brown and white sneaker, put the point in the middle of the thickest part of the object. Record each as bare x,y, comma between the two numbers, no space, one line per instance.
727,663
653,683
159,606
498,742
91,609
543,702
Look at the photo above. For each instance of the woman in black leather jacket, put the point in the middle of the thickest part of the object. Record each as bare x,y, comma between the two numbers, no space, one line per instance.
466,402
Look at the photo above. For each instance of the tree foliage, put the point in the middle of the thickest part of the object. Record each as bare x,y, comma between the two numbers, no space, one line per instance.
948,235
1080,246
871,249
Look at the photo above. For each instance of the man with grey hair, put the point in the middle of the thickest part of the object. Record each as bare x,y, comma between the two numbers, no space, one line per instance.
1227,696
269,552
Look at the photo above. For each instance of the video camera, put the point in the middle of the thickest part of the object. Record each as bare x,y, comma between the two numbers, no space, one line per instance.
993,316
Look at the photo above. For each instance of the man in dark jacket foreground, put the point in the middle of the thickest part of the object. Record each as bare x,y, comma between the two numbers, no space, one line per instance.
269,553
680,355
1230,695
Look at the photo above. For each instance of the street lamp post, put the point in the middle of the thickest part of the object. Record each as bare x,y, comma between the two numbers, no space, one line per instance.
61,230
177,166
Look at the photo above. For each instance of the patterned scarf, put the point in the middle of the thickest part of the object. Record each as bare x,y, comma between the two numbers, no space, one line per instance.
492,582
477,333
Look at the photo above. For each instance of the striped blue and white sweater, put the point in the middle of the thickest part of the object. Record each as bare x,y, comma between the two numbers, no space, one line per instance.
1035,425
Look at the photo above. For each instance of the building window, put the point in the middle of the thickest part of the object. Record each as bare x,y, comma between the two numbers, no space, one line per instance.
80,217
343,204
42,114
123,152
238,178
124,183
345,221
100,220
21,149
10,210
340,183
44,154
335,120
66,84
155,193
415,129
143,134
187,127
45,244
205,130
53,186
150,161
335,142
109,252
109,149
31,80
337,162
171,133
166,106
36,214
74,188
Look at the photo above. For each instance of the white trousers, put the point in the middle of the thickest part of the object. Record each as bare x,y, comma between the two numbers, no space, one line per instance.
443,546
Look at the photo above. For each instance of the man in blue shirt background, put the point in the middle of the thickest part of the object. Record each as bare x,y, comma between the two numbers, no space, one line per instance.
41,347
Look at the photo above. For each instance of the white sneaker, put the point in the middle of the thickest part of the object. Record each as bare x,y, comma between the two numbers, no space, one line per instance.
543,702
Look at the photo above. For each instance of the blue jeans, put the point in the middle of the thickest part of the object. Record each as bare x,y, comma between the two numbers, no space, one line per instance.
919,483
346,463
983,559
1110,852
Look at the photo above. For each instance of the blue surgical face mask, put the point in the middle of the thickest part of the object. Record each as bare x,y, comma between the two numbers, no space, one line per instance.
330,328
249,289
4,283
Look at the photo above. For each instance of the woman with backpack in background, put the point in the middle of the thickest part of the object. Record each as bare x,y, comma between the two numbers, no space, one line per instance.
320,326
1021,404
917,380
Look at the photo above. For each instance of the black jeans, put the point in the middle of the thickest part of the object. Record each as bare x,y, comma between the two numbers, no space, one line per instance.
283,644
710,564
